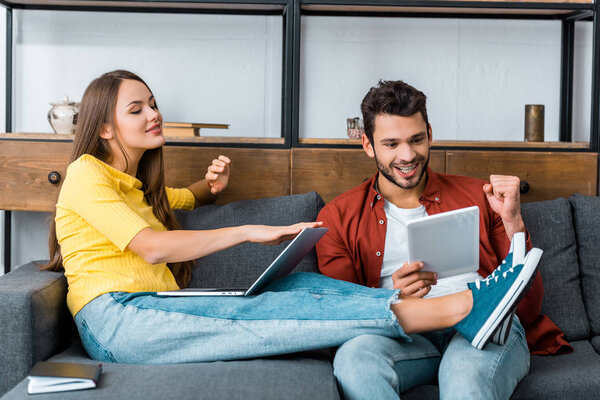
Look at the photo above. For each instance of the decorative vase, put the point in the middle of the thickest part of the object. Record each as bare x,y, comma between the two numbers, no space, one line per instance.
354,128
534,122
63,116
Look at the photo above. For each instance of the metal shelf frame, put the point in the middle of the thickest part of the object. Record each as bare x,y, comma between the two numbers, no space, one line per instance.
567,13
292,12
7,228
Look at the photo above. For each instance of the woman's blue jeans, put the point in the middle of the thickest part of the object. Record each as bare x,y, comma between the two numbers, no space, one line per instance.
303,311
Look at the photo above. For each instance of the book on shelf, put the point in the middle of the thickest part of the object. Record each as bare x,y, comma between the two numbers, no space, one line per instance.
187,129
47,377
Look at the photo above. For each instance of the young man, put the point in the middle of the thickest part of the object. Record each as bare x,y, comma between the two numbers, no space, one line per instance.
366,244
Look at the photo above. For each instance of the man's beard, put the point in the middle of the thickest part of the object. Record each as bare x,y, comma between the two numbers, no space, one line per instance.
387,172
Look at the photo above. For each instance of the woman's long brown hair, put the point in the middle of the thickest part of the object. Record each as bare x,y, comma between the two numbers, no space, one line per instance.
97,110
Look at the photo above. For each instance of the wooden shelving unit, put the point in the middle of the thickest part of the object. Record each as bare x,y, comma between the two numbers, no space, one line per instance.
496,144
216,140
55,137
328,165
292,11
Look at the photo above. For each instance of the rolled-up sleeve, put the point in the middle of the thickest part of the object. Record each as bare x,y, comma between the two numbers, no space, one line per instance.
333,255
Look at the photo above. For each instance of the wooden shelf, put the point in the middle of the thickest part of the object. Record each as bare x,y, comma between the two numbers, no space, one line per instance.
266,5
439,10
54,137
225,139
335,142
466,143
509,144
549,8
342,142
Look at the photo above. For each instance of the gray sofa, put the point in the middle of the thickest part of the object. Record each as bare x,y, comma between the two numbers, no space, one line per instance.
35,324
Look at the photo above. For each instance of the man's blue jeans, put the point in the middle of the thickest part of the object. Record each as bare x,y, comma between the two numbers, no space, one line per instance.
303,311
378,367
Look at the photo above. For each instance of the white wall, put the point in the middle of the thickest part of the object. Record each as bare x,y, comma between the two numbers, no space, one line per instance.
477,74
202,68
582,82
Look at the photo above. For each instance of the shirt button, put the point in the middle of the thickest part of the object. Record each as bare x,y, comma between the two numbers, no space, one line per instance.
378,197
371,204
378,254
381,221
437,199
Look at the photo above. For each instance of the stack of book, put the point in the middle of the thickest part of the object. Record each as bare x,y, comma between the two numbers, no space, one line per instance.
186,129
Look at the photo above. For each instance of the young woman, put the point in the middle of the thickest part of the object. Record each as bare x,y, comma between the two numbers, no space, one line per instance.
117,238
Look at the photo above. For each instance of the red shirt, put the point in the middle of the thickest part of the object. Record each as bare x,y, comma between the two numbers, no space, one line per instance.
352,250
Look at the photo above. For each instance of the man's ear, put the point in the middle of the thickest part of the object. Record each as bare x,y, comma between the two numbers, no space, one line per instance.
367,146
106,133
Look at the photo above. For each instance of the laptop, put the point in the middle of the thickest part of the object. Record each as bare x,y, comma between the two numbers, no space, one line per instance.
285,262
446,243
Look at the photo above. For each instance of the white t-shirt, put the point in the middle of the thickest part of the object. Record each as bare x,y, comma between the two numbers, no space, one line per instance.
396,252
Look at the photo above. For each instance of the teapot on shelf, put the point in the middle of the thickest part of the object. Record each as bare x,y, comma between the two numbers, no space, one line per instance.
63,116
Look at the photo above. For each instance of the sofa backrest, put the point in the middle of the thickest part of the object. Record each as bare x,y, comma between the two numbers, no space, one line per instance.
239,266
586,213
551,228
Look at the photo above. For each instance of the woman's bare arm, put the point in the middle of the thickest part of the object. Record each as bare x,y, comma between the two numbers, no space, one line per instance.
173,246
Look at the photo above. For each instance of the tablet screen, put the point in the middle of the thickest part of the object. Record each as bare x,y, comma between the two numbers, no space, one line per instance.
447,243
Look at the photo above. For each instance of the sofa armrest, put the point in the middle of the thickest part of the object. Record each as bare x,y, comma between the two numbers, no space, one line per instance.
34,320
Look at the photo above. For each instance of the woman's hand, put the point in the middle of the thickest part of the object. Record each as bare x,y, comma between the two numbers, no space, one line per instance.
217,176
274,235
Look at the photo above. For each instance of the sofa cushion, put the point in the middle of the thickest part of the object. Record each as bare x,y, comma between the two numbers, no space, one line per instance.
239,266
596,343
568,376
551,228
300,376
586,212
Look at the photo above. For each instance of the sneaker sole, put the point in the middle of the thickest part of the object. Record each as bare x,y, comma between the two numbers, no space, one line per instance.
518,250
500,335
518,247
511,299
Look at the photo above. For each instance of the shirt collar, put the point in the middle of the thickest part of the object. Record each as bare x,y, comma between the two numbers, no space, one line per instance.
374,195
432,187
126,181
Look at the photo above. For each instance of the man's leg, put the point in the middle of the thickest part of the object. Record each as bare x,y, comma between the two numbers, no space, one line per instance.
378,367
491,373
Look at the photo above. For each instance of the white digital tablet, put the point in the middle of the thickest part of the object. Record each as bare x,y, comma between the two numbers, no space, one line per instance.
446,243
285,262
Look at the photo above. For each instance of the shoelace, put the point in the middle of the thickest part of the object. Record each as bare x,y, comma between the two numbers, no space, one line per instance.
496,270
493,277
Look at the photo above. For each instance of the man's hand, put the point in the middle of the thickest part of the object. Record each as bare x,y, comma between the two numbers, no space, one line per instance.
412,281
503,195
217,176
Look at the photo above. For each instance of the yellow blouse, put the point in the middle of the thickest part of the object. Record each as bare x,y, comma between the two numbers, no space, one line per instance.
99,211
